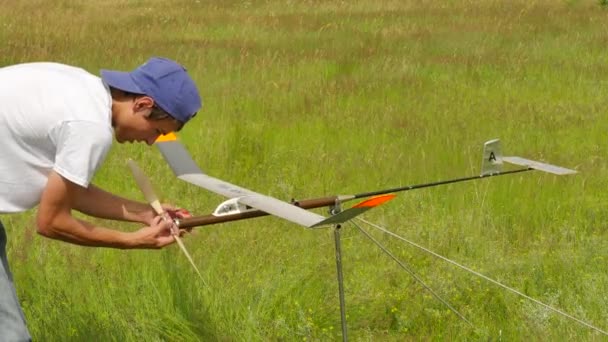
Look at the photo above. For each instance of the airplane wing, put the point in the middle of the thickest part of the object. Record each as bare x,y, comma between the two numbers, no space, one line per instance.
185,168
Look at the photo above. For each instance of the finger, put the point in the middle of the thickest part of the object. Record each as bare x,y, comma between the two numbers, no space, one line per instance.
157,220
179,213
162,227
183,213
169,225
165,241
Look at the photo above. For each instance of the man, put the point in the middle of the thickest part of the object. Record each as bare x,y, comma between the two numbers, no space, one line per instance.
56,126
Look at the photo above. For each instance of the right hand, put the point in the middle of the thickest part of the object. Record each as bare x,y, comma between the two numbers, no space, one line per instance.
155,236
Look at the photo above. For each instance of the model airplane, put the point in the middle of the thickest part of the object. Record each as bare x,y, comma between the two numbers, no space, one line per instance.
243,203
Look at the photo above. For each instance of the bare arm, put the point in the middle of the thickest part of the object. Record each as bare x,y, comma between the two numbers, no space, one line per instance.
97,202
55,221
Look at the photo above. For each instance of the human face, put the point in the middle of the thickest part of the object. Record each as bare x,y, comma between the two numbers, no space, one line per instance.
132,123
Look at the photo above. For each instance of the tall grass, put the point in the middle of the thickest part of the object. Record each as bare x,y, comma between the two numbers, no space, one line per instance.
312,98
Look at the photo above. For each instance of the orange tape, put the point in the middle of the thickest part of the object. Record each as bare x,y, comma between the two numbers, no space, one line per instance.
375,201
167,137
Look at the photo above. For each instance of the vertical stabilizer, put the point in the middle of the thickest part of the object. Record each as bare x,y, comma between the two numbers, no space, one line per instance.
492,158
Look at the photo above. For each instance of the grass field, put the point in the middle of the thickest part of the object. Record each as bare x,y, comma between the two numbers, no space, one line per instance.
305,99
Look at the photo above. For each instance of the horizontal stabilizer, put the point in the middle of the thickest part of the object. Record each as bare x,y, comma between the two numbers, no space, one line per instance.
493,160
557,170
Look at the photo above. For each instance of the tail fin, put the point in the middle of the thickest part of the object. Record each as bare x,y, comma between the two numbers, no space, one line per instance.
492,158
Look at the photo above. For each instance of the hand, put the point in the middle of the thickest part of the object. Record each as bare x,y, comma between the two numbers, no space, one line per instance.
174,212
155,236
177,213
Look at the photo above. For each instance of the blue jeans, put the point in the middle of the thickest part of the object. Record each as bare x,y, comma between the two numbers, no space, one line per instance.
12,320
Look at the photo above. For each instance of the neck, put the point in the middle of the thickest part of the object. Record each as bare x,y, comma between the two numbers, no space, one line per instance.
119,101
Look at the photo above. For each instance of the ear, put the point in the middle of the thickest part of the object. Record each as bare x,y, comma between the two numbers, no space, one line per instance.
143,103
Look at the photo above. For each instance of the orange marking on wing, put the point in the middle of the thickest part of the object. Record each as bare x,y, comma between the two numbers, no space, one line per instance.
167,137
375,201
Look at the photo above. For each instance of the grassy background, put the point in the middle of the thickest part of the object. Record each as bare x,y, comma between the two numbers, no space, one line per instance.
311,98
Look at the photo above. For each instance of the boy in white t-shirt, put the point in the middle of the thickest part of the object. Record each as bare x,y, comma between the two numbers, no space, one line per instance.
56,124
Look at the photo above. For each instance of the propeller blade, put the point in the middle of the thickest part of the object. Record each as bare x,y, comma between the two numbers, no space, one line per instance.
146,188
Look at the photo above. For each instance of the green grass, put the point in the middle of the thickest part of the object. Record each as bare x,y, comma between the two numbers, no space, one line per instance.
311,98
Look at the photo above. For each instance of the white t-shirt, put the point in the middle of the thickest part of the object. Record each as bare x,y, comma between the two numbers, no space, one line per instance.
52,117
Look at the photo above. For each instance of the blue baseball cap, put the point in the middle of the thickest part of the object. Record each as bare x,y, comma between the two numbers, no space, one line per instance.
164,80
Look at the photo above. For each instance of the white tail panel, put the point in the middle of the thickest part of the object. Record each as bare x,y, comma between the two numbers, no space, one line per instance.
492,158
557,170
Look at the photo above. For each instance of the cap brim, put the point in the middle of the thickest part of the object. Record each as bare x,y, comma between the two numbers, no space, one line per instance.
120,80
